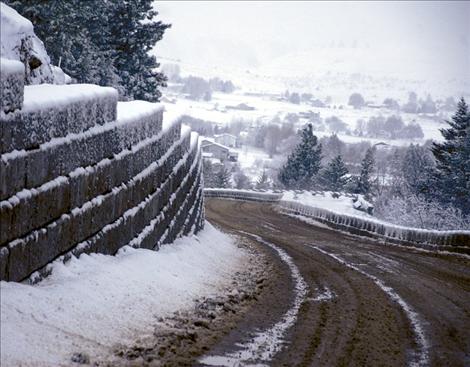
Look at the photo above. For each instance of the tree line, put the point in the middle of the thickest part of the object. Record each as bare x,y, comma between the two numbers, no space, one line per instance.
435,178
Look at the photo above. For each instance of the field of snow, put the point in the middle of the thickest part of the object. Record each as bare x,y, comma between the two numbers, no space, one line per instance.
93,302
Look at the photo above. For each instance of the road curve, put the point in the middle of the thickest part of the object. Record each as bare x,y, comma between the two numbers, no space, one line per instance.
351,301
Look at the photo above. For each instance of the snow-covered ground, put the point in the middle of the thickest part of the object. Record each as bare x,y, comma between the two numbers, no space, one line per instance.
96,301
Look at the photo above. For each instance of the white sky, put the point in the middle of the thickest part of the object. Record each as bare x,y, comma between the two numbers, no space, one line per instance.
429,37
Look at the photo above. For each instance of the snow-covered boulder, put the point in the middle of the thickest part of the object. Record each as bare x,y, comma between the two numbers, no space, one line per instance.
361,204
18,42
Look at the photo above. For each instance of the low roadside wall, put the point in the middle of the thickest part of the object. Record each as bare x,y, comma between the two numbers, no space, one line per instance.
452,241
242,195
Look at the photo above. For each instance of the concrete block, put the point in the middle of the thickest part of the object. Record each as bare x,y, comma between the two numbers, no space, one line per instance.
12,176
4,258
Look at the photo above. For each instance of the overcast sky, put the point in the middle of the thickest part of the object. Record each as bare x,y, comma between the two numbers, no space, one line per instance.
249,33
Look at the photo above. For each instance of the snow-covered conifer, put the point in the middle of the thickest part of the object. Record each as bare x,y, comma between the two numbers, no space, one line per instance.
452,174
222,178
333,176
299,172
365,182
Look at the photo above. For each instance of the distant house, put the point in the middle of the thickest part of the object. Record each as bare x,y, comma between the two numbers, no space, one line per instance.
209,157
310,115
218,151
375,105
241,107
165,99
226,139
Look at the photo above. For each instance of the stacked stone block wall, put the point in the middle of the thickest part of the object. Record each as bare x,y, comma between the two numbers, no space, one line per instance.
81,177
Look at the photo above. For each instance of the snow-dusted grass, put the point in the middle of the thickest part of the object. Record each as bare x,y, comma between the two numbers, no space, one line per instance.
93,302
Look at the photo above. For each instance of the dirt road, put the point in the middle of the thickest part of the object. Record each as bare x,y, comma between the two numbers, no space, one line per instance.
341,300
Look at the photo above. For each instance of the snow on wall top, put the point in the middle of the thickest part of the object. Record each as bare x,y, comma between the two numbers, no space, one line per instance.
185,130
194,138
11,66
171,117
18,42
132,110
45,96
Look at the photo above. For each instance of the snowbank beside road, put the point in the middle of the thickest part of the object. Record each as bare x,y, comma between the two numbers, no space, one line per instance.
94,302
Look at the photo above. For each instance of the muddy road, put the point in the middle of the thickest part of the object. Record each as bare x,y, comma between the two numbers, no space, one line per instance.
341,300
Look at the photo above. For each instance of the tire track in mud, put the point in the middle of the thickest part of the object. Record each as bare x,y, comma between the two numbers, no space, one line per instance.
420,357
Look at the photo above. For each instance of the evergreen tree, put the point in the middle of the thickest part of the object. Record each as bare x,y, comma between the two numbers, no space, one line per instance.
263,181
133,34
333,176
417,167
208,173
452,174
222,178
242,181
364,184
304,163
396,183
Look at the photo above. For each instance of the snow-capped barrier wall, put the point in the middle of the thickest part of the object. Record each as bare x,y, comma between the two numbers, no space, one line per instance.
242,195
82,173
452,241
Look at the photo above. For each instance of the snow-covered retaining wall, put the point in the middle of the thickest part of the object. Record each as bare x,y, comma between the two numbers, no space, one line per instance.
242,195
454,241
81,173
